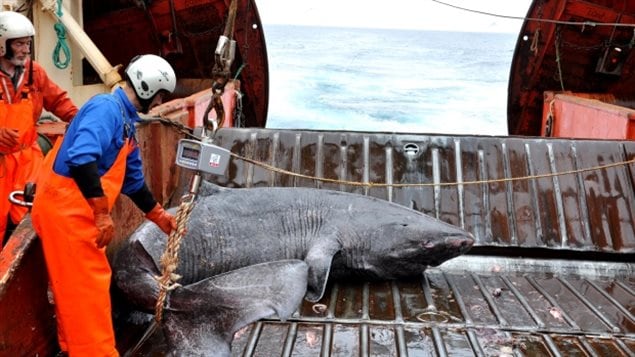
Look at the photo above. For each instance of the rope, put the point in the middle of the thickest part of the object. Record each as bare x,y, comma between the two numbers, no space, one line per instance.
534,42
48,5
231,19
240,69
475,182
61,45
559,58
170,257
576,23
180,128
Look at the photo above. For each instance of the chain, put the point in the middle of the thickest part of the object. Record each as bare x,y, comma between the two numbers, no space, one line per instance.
177,126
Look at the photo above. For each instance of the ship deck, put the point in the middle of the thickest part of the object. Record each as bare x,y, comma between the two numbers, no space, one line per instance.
499,307
551,272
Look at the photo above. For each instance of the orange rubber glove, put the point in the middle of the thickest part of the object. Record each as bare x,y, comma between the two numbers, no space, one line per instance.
161,218
8,137
103,221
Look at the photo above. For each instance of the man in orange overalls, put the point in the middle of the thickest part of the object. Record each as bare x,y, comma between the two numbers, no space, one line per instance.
24,89
77,187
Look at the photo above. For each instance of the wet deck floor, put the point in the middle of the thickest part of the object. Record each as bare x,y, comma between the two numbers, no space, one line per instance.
500,307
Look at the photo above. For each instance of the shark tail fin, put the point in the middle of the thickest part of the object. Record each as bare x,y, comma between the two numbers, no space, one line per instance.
201,318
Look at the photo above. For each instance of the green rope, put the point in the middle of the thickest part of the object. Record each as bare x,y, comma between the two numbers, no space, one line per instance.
61,45
239,70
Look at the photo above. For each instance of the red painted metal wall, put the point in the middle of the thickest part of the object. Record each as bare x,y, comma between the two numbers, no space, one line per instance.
575,115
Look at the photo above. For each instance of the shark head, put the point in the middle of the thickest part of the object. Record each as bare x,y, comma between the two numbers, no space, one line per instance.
404,246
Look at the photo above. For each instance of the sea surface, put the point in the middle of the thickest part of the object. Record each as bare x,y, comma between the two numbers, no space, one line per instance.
388,80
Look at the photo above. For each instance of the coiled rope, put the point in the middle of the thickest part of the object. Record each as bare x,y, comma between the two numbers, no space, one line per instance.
61,45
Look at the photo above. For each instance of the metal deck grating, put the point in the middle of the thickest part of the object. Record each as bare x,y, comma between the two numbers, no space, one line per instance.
456,313
512,308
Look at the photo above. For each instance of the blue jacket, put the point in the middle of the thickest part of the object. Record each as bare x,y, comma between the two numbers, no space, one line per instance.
97,134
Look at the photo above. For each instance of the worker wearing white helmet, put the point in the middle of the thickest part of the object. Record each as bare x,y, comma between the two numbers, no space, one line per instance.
80,180
25,89
149,75
15,25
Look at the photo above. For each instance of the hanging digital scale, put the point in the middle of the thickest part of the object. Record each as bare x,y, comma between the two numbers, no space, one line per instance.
200,156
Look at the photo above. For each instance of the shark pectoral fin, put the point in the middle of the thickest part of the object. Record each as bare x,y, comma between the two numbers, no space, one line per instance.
201,318
134,273
319,259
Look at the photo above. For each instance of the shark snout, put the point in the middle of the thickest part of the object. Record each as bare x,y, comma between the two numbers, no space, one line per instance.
461,242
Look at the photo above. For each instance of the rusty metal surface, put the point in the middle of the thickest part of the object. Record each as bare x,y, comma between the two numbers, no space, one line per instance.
566,57
587,211
475,305
454,312
27,323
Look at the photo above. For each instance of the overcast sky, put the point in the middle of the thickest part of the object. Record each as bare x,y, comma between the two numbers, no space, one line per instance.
400,14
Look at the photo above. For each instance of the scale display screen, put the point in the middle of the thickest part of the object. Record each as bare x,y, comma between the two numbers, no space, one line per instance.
202,156
190,153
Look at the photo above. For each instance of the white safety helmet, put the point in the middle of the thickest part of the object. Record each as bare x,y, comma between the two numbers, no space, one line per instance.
13,25
150,74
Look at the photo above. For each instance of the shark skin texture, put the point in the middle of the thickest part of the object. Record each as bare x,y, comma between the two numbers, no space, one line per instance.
250,253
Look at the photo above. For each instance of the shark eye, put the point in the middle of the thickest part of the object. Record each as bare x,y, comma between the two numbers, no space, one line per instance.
428,245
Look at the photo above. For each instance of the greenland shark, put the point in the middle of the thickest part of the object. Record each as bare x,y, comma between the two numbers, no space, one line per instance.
250,253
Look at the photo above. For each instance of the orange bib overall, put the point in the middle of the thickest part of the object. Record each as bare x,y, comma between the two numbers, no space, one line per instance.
20,163
79,271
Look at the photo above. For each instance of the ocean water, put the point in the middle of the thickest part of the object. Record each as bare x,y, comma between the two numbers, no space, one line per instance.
388,80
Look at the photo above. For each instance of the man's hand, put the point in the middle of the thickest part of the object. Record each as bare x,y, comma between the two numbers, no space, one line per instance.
103,221
161,218
9,137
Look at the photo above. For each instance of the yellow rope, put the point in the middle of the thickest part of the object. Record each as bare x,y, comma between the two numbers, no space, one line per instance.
378,184
170,257
180,129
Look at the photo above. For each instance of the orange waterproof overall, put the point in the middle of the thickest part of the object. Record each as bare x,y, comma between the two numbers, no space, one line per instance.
20,163
79,271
